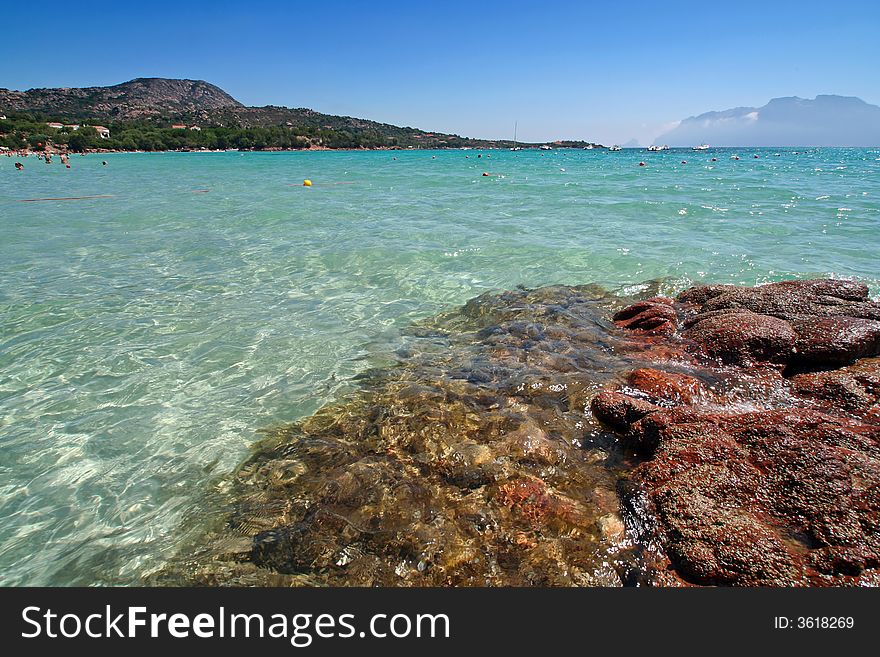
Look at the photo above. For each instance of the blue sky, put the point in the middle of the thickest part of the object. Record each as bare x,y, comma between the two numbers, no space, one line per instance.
607,71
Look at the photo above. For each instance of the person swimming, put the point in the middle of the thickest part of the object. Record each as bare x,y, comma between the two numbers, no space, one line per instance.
19,166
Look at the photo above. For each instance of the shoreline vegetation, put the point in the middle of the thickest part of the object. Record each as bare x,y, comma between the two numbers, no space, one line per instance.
565,436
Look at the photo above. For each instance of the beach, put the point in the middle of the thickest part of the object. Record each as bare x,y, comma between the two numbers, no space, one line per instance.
181,307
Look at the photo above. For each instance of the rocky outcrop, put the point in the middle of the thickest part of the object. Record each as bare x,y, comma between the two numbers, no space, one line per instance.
729,436
762,462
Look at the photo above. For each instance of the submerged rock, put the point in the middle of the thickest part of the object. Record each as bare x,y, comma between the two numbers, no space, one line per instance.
469,464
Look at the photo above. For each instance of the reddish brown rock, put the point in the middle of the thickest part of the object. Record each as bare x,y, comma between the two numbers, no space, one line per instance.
712,544
744,338
653,316
841,389
719,486
620,411
834,340
817,288
668,387
820,298
774,484
867,373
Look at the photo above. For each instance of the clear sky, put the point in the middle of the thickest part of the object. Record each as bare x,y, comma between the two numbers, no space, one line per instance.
604,71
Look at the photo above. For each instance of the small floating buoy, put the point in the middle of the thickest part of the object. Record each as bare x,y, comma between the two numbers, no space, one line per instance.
641,164
684,161
307,183
485,174
757,156
67,165
714,159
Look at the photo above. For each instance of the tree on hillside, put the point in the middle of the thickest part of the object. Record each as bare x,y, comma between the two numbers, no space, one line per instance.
81,140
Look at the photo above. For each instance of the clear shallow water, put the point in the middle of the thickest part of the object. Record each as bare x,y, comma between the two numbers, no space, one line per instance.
148,337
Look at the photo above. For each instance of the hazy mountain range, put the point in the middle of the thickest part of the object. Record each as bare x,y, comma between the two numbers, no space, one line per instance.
823,121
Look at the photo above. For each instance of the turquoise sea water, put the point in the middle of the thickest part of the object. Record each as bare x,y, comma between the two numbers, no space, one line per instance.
149,335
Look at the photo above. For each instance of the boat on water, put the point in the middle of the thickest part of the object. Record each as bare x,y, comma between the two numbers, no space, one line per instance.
588,147
614,148
515,147
656,148
546,147
701,147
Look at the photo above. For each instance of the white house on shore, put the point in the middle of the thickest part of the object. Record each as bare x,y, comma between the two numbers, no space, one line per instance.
103,133
56,126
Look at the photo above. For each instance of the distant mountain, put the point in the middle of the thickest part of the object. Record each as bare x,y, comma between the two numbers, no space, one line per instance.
162,102
791,121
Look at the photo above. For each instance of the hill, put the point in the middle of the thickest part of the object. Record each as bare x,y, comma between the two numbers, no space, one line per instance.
142,98
140,114
823,121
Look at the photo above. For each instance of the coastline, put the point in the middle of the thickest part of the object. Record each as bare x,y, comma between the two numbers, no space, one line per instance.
53,150
165,288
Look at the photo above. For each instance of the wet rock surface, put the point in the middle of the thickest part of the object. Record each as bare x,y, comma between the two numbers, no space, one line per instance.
570,436
765,469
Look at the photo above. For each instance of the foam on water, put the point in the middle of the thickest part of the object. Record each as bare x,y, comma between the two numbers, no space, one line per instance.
147,337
